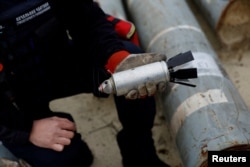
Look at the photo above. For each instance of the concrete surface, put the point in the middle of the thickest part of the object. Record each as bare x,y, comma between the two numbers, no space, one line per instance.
97,121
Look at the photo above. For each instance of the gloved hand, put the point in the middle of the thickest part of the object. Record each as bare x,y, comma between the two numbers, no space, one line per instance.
123,60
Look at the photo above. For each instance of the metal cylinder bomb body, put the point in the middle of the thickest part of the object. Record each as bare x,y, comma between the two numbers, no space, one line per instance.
122,82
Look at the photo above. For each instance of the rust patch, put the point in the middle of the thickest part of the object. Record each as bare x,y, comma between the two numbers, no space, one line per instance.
233,26
245,147
204,164
204,152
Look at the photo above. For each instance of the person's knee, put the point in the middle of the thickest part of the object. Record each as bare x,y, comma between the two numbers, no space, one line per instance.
80,152
76,154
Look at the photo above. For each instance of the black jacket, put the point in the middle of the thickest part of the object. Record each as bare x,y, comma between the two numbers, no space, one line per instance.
35,48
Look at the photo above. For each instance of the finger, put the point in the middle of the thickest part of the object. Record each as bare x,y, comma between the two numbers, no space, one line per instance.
57,147
161,87
66,124
151,88
142,90
133,94
62,119
63,141
66,133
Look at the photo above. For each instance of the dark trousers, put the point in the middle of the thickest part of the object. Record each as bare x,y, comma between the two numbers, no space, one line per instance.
134,140
76,154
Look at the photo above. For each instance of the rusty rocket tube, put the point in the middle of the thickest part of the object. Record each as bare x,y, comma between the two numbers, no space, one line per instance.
229,18
211,117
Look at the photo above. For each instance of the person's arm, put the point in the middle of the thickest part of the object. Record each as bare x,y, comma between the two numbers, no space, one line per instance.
17,128
88,25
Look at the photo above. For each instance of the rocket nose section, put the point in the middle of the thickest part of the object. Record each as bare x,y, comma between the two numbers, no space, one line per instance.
106,87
